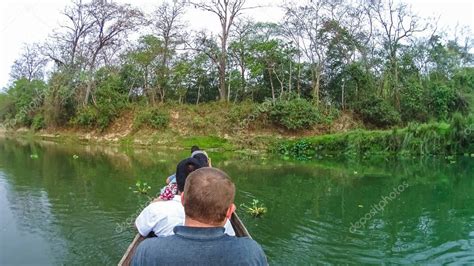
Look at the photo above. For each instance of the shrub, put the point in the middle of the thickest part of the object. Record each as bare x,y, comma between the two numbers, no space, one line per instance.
151,117
442,100
38,122
376,111
86,117
294,114
413,104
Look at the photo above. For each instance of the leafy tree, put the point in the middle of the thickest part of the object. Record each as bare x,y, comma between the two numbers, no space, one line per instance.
144,59
28,98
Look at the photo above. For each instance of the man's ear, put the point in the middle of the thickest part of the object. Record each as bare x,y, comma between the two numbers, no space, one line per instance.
230,210
182,198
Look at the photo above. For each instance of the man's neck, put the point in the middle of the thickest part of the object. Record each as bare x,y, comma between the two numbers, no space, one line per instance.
194,223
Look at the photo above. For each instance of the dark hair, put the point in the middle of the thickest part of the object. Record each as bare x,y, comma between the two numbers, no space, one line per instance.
183,169
208,195
194,148
202,159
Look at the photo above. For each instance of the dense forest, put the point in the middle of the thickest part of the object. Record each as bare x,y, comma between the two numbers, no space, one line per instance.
377,60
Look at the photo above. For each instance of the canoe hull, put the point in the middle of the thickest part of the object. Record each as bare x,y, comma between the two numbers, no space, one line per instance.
239,228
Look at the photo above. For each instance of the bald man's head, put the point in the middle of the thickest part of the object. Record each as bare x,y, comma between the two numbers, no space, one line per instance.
208,194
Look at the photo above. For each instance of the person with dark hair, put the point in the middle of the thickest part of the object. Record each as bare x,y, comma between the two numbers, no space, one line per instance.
208,201
160,217
203,159
194,148
194,151
170,190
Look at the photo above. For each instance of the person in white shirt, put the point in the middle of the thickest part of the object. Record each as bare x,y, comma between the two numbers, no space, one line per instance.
160,217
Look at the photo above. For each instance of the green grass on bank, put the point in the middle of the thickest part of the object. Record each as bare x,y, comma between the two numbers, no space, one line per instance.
457,137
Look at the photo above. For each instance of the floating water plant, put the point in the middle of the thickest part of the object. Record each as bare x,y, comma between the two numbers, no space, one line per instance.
256,209
34,156
141,188
75,157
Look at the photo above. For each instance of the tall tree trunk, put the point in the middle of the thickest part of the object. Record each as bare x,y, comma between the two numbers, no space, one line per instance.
222,87
342,95
316,83
289,80
282,87
271,84
91,78
298,84
228,87
242,78
199,94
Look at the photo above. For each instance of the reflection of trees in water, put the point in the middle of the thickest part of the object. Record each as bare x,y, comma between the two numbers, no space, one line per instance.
311,204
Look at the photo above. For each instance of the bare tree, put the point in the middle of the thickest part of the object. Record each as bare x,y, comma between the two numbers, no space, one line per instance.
111,23
67,44
303,24
227,11
30,65
240,46
168,25
398,23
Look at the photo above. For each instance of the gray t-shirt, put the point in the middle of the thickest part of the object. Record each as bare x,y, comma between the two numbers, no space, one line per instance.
199,246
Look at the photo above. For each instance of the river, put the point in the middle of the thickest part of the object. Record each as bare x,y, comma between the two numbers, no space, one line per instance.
72,204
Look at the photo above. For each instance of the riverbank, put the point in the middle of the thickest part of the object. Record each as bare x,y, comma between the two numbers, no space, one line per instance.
432,139
246,129
415,140
235,127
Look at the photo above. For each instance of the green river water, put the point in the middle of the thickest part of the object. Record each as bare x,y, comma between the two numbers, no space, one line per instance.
59,209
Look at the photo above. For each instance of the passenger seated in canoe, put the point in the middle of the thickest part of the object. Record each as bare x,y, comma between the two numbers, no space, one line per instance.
171,189
172,178
208,204
160,217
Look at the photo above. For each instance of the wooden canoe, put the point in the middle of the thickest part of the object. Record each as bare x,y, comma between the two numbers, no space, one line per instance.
237,225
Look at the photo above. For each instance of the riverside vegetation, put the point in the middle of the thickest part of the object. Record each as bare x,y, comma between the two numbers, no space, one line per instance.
357,89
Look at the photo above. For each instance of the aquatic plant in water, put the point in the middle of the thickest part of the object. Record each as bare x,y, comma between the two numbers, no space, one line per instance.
141,187
256,209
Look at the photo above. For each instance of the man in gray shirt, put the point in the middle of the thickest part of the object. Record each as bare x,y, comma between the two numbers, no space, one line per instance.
208,203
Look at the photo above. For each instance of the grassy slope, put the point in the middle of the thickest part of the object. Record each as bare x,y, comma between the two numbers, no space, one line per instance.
237,127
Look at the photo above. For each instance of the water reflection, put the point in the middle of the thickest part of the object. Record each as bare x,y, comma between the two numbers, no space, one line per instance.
65,208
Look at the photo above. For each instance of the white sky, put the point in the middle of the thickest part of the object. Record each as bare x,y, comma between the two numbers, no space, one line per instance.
29,21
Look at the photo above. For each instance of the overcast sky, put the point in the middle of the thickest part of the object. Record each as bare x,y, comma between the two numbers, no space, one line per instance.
29,21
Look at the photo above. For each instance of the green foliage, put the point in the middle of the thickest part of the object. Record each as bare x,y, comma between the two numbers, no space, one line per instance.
293,114
376,111
463,79
59,106
110,101
300,150
141,188
111,96
152,117
27,97
442,100
7,106
413,103
86,117
256,209
38,122
414,140
239,112
420,80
